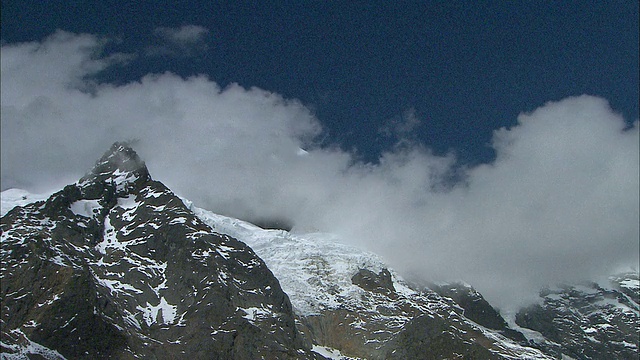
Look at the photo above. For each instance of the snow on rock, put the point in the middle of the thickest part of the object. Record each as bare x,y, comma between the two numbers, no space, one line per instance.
306,265
86,208
163,313
631,284
530,335
256,313
320,276
128,202
109,239
116,266
25,348
122,179
330,353
316,270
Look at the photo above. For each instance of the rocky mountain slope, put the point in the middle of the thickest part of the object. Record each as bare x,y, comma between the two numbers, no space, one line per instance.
588,321
117,266
350,302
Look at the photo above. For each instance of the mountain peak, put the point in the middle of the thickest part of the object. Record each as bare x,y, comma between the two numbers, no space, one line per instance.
116,266
119,157
120,167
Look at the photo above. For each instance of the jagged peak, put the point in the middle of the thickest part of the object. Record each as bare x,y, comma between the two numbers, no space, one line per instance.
120,167
119,157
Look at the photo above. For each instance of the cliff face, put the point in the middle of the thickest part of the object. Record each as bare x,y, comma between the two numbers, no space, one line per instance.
116,266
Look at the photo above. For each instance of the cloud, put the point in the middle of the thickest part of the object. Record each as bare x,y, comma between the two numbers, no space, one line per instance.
184,40
402,129
560,202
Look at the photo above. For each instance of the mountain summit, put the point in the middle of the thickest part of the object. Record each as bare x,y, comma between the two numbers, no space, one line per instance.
120,167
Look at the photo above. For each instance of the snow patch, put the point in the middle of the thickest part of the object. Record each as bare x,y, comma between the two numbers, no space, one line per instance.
116,286
531,335
86,208
178,220
153,194
163,313
330,353
606,302
50,301
26,347
110,240
123,178
128,202
255,313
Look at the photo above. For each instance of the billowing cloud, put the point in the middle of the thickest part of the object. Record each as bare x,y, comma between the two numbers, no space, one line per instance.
560,202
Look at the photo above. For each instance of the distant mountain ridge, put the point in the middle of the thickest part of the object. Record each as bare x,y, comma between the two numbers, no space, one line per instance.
117,266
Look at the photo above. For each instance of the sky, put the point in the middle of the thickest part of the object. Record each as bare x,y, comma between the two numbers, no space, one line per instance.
490,142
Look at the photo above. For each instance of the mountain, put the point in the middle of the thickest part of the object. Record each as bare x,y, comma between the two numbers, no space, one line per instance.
352,303
117,266
349,300
588,321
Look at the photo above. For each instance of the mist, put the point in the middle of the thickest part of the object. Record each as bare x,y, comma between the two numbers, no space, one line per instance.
560,203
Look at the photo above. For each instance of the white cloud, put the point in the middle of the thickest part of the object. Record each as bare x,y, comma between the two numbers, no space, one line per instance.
186,34
182,40
559,203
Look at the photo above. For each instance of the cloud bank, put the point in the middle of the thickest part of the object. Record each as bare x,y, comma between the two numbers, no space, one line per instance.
560,202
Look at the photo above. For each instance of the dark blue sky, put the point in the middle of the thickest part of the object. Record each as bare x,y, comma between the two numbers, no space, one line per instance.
466,68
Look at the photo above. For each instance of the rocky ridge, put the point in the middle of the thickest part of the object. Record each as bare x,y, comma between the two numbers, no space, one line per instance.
588,321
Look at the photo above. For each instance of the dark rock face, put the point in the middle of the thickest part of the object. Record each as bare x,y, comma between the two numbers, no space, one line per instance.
368,280
406,325
115,266
477,309
586,322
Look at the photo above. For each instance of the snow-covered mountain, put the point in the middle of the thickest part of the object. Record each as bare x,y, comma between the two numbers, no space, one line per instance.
323,278
348,299
116,265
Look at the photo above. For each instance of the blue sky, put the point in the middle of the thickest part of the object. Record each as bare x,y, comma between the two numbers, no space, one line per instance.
491,142
464,69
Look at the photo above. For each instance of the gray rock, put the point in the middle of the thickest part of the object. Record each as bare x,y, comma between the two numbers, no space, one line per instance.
585,322
368,280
